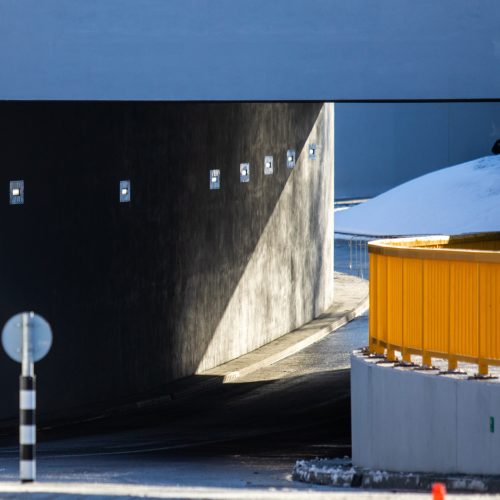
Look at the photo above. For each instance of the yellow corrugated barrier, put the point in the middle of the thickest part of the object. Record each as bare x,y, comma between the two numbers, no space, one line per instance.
412,306
436,297
394,303
436,307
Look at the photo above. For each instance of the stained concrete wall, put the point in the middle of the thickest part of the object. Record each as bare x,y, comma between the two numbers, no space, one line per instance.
380,146
414,421
180,279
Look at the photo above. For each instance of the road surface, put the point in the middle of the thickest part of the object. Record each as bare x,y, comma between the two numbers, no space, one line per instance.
246,434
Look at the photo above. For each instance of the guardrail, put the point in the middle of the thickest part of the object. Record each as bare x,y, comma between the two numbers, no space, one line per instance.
436,296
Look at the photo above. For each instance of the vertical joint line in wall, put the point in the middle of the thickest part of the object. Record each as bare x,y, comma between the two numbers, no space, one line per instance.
478,316
387,303
403,346
449,313
422,272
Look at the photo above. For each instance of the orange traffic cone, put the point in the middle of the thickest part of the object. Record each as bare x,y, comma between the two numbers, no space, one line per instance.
438,491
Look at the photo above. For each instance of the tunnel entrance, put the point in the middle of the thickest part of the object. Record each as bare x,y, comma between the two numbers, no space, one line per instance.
146,273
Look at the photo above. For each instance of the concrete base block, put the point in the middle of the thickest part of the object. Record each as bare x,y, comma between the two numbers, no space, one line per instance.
414,421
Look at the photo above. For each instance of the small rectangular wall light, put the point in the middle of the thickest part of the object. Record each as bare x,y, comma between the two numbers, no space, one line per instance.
290,158
214,179
268,165
312,151
244,172
124,191
16,192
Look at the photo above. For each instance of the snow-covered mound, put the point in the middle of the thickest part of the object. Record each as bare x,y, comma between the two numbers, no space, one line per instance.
461,199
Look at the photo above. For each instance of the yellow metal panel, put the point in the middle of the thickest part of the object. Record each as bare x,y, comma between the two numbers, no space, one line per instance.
436,288
381,297
489,311
395,301
412,303
464,293
372,313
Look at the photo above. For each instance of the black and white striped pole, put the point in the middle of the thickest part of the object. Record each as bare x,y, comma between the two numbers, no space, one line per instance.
27,338
27,407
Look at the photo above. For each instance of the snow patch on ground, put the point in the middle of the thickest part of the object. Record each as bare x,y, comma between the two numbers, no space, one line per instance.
379,476
461,199
337,471
474,484
342,473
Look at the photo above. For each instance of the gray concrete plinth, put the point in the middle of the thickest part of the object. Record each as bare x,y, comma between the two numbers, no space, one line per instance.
422,421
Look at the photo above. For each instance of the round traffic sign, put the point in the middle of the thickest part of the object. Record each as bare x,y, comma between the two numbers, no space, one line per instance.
41,336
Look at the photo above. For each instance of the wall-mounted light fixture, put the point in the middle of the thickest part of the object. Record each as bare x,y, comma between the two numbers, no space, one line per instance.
125,191
290,158
16,192
268,165
244,172
214,179
313,151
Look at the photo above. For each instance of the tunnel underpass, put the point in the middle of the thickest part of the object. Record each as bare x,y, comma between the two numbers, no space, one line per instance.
178,276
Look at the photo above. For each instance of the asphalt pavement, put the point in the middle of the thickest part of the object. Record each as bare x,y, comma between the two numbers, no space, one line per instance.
244,435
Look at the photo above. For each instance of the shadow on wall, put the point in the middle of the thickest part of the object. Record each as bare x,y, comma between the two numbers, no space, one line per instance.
288,275
137,292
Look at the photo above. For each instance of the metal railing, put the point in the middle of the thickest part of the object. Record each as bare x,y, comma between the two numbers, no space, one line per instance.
436,297
358,256
351,254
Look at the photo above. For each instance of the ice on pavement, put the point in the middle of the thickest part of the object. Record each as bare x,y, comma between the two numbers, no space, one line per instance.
461,199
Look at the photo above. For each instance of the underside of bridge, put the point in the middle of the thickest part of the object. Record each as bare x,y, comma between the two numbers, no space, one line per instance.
180,278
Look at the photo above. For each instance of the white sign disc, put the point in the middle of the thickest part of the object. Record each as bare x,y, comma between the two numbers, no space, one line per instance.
12,336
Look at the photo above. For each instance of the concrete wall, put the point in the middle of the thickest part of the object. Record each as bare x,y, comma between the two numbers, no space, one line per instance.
181,279
327,50
380,146
407,420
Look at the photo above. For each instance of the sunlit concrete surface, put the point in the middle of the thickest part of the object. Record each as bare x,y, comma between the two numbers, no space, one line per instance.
351,301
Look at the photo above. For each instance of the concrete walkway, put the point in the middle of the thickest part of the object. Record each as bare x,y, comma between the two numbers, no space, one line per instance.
351,301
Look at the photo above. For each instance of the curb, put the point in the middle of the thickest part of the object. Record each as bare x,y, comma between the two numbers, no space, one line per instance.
296,347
